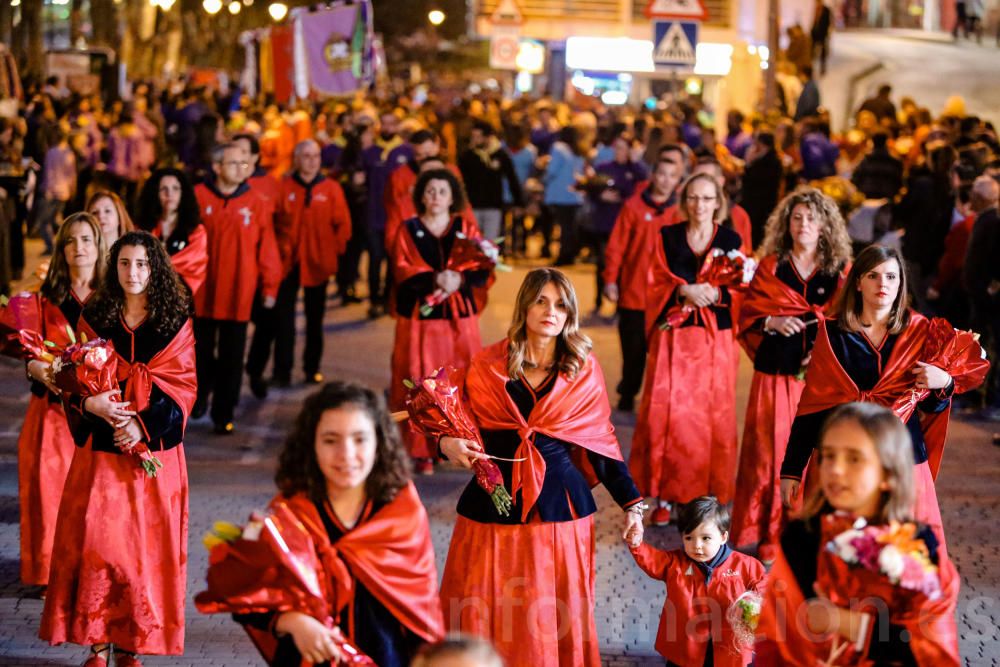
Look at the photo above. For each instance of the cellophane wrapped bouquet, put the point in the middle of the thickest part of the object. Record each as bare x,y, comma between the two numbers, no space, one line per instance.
730,269
476,253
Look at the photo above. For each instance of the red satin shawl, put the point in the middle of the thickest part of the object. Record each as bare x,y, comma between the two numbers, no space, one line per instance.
172,369
191,263
828,384
769,295
661,283
575,411
390,553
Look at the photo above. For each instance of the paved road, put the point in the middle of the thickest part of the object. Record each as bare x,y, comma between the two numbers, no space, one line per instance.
232,476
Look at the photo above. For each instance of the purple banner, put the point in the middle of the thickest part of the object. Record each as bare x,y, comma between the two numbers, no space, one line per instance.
329,36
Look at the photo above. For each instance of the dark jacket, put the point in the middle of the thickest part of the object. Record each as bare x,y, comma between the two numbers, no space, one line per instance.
761,184
879,175
981,265
484,181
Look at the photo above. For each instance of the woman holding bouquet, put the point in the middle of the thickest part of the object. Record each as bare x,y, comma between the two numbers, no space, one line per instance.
685,438
437,308
119,583
856,580
169,211
345,475
526,581
45,446
877,350
806,251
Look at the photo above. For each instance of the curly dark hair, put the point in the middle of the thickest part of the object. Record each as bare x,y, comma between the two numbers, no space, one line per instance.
168,303
151,211
457,190
298,469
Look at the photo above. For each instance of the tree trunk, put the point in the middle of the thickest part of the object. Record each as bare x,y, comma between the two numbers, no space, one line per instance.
76,23
104,18
6,23
32,56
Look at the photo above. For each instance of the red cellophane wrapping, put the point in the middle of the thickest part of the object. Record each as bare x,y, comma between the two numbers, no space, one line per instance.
272,567
467,254
956,352
719,269
20,327
436,410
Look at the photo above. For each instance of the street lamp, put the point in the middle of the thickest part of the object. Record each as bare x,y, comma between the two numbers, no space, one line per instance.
234,7
212,6
277,10
436,17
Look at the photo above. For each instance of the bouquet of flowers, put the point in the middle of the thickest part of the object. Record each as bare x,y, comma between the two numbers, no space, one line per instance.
90,367
956,352
435,408
20,324
743,615
720,269
467,254
893,551
269,565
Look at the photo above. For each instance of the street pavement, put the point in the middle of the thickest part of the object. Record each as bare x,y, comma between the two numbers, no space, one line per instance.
231,476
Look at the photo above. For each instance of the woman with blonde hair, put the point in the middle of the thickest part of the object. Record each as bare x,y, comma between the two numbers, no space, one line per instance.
685,438
805,253
109,209
45,446
539,400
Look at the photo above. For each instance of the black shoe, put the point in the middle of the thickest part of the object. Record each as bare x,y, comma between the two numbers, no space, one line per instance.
200,408
223,428
281,382
314,378
626,403
258,386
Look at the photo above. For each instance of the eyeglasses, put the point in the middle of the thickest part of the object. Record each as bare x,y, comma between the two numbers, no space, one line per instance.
231,163
707,200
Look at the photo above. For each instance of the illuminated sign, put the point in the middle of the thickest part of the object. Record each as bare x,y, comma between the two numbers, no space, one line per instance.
620,54
530,56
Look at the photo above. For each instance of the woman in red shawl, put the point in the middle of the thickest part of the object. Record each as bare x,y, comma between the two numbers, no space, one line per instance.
169,211
345,474
526,581
806,251
685,438
45,446
874,351
119,580
856,581
447,335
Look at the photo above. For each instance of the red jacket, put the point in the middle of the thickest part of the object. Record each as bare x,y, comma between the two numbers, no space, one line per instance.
949,273
695,611
312,225
242,252
265,184
626,258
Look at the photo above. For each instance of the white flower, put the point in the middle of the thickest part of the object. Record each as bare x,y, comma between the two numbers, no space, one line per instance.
890,561
841,545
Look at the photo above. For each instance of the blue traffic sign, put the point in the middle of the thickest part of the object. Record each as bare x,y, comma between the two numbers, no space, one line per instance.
675,43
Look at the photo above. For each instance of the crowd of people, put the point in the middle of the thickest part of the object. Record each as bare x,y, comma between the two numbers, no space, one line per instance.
173,221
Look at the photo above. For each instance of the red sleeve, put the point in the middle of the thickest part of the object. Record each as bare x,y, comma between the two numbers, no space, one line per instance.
741,225
652,561
950,265
621,237
269,261
394,194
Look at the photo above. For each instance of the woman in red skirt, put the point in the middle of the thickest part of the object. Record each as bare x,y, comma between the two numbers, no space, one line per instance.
526,581
447,335
806,250
873,352
45,446
685,438
119,578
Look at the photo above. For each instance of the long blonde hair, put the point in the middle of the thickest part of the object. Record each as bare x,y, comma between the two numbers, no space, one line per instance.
833,251
57,280
895,453
572,346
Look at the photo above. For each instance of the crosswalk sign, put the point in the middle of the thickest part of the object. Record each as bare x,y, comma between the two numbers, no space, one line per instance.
675,43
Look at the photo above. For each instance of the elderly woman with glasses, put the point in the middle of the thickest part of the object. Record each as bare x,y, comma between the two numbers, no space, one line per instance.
685,438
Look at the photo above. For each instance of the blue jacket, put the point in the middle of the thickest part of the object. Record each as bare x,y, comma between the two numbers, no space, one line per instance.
561,175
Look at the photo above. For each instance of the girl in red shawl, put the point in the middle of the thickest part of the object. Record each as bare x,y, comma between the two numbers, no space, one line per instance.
873,352
856,581
685,438
169,211
448,335
120,579
526,581
346,475
45,446
806,250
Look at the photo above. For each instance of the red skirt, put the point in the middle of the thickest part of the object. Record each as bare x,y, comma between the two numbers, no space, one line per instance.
685,438
757,510
44,453
528,588
420,348
121,571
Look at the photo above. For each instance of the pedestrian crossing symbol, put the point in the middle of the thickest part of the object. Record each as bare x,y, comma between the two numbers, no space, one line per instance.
675,43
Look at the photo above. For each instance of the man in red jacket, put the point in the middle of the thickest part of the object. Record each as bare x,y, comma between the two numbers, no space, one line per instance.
242,254
312,225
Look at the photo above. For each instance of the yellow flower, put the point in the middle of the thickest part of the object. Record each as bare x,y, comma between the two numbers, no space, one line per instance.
226,531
